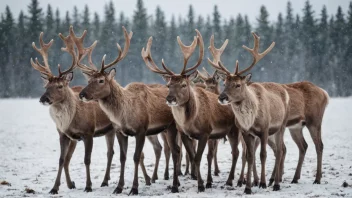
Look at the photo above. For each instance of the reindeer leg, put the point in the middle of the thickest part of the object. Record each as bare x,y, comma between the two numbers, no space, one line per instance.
144,170
64,143
255,172
179,142
216,165
123,143
202,142
272,144
241,180
110,139
193,166
250,141
175,151
210,160
167,155
233,139
71,149
279,141
88,147
140,139
157,150
315,133
298,138
263,155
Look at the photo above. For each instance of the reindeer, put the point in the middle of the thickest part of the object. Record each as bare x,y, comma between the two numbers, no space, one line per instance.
261,109
137,110
74,119
307,106
191,107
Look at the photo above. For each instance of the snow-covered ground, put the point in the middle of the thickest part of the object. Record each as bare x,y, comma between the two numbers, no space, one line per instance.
29,155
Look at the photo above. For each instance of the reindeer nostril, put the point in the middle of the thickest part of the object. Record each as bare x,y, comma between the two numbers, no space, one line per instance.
223,97
170,98
82,95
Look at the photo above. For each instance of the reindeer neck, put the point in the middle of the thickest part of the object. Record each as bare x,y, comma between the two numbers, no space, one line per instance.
188,110
63,113
246,110
114,101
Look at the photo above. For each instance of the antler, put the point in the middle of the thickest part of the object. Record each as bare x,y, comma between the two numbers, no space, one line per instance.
187,51
43,51
122,54
82,52
206,72
216,53
70,48
147,57
255,53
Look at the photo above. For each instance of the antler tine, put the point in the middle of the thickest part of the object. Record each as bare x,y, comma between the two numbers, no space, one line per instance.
147,57
255,52
122,54
69,48
187,51
201,53
43,51
216,53
202,76
236,68
219,66
206,72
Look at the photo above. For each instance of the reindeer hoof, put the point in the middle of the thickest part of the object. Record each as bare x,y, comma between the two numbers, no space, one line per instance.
255,183
262,185
229,183
271,181
216,173
166,177
72,186
53,192
88,189
239,183
117,190
134,191
187,172
208,185
174,189
316,182
294,181
248,191
193,177
276,187
180,173
104,184
201,188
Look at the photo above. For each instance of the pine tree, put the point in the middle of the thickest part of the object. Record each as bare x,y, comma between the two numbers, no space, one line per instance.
96,26
190,25
140,37
217,25
322,51
277,68
172,44
8,40
50,30
265,32
229,33
86,18
159,34
348,53
35,26
76,19
67,22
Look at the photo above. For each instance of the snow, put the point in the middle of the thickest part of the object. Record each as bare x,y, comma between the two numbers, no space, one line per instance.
29,155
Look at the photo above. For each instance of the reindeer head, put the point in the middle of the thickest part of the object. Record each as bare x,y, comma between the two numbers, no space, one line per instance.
211,82
57,87
99,81
236,83
178,84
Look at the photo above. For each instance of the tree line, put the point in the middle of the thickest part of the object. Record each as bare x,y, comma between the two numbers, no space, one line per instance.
309,46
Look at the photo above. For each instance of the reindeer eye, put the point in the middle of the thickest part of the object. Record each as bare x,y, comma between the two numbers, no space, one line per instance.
101,81
238,85
60,87
184,85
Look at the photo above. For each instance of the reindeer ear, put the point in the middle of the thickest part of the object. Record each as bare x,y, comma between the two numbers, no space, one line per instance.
221,75
68,77
166,78
248,78
193,75
216,76
112,73
45,80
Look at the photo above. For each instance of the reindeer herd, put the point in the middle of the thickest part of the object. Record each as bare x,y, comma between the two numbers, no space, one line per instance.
182,111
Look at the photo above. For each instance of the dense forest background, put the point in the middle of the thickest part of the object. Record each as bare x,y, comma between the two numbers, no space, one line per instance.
309,46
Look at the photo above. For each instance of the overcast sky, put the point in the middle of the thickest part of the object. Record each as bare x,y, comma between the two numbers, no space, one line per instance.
227,8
